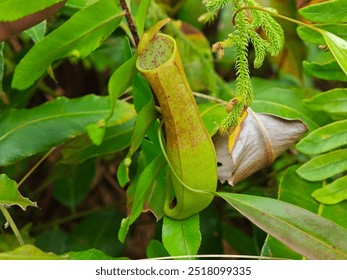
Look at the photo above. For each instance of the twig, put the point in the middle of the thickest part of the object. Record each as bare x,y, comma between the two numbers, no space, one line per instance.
35,166
12,224
131,22
209,97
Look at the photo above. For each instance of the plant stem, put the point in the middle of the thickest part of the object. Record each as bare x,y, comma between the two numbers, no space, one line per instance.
12,224
275,15
209,97
35,166
131,22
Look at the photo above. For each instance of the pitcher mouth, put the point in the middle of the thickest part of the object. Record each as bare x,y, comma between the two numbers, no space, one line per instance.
157,53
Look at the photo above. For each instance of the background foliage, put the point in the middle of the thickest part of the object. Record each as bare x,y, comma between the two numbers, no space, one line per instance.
60,146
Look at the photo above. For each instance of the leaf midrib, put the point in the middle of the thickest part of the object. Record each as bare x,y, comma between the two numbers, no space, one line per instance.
50,118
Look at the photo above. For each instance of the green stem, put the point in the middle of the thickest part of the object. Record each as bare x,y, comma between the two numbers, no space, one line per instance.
12,224
35,166
275,15
74,216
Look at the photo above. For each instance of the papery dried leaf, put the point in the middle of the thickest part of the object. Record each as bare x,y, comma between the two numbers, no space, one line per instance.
260,139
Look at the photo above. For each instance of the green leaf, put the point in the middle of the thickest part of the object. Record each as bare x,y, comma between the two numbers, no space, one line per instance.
146,180
123,172
324,139
10,11
157,195
80,4
241,242
116,139
312,36
338,47
120,80
142,92
330,71
156,249
9,194
185,233
117,85
301,230
78,36
9,241
91,254
37,32
332,101
144,121
330,11
212,115
287,103
28,252
332,193
324,166
141,15
143,185
297,191
53,123
53,240
73,183
97,231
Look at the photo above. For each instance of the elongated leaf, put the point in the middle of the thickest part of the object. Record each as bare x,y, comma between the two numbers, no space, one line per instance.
338,47
156,249
332,193
186,234
146,179
116,139
53,123
78,36
73,183
144,183
10,11
120,80
287,103
142,92
144,121
324,139
37,32
212,115
80,4
97,231
314,37
330,11
118,83
303,231
28,252
333,101
52,240
330,71
297,191
141,15
9,194
324,166
91,254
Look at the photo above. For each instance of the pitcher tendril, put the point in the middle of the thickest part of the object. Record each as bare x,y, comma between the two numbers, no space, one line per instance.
247,23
